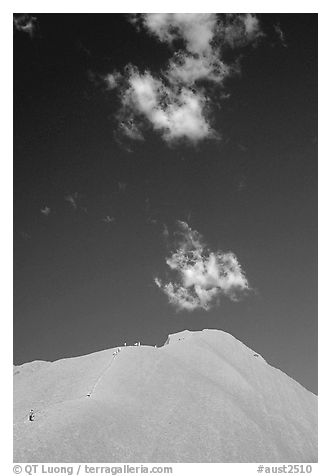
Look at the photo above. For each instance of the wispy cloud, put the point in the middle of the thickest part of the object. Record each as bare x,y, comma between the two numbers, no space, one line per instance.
176,103
112,80
108,219
201,276
75,202
45,211
26,23
72,199
165,232
280,34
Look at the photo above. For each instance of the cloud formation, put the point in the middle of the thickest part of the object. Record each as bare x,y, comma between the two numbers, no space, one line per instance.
72,200
26,24
174,113
280,34
75,202
45,211
176,102
240,30
201,276
108,219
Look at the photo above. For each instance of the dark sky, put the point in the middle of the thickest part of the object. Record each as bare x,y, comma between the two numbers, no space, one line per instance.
81,284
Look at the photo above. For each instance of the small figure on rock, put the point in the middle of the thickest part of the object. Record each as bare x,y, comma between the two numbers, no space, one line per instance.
31,415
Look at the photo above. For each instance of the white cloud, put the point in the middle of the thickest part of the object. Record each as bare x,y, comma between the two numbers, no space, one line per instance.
196,29
176,102
188,69
179,296
201,276
174,114
252,27
25,23
240,30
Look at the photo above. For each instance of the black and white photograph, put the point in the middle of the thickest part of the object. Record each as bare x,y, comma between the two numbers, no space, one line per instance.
165,238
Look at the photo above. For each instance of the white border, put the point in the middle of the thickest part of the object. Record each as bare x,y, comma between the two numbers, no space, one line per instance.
61,6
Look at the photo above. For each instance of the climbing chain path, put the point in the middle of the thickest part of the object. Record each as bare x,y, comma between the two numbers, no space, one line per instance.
89,394
31,415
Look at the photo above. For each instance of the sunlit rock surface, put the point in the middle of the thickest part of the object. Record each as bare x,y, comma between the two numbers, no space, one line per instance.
202,397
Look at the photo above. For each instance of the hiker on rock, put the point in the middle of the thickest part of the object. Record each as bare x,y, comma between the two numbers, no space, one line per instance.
31,415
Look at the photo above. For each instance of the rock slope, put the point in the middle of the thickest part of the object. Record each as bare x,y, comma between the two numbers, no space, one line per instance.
202,397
